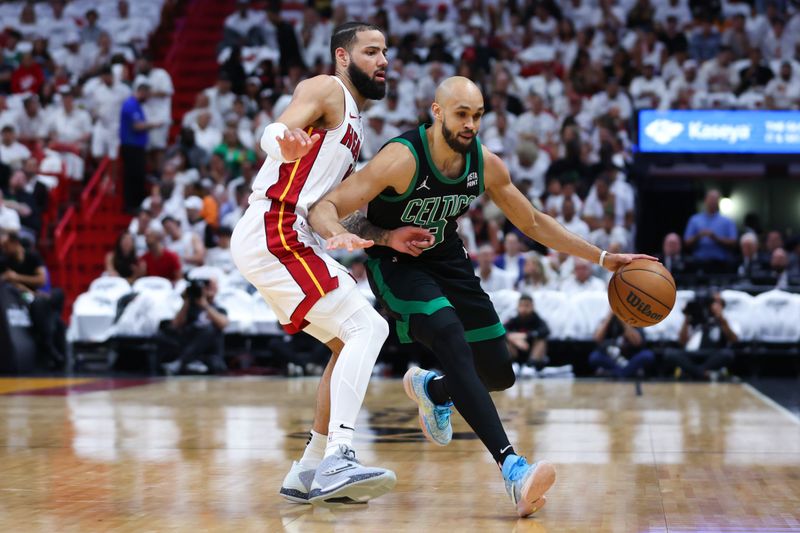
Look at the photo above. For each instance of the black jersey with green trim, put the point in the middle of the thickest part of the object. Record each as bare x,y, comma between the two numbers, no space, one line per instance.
432,200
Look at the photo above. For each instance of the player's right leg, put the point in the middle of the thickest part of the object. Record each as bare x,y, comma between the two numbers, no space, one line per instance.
304,286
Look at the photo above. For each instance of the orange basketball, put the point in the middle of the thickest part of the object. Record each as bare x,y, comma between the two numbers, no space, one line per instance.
642,293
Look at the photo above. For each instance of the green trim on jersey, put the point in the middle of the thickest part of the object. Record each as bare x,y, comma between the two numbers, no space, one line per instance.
404,195
404,307
441,177
485,334
480,167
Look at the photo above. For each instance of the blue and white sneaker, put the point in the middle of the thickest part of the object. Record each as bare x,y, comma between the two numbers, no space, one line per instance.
433,419
297,483
526,484
341,479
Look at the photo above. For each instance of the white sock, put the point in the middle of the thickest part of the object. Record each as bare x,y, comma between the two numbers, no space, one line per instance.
315,450
363,334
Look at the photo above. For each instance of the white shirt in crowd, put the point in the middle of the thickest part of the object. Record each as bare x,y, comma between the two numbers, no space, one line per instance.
571,285
9,219
105,102
14,154
220,258
70,127
498,280
576,226
603,239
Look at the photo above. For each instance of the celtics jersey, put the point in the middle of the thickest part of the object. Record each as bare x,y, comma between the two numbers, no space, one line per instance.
432,200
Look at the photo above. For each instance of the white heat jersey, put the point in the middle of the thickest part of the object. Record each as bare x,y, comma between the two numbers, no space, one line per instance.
301,183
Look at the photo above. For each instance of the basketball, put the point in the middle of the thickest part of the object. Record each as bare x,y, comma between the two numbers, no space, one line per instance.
642,293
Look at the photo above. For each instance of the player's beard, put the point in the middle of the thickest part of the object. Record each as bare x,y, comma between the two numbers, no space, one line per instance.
368,87
454,142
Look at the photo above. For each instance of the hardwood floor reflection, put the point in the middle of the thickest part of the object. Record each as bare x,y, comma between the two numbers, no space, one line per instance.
209,455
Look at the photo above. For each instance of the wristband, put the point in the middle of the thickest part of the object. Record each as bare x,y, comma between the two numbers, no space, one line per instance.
270,145
602,258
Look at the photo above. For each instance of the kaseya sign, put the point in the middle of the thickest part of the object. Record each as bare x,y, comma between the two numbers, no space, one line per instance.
719,132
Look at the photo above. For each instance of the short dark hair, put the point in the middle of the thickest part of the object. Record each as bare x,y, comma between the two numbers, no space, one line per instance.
344,35
526,298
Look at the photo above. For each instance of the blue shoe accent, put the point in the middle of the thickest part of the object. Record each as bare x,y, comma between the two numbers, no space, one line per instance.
527,483
433,419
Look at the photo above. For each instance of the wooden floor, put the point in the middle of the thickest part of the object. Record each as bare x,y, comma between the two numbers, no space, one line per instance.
209,455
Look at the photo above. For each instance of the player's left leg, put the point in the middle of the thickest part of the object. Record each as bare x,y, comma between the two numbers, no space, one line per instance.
297,483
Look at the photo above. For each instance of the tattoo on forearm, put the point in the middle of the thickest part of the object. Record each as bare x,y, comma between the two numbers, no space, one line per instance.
358,224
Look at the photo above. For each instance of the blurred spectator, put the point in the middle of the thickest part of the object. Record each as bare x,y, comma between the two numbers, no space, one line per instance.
477,231
139,226
756,75
528,162
157,106
31,123
621,350
672,256
705,42
492,278
511,261
232,151
376,133
69,124
534,274
206,136
648,90
571,221
779,275
123,261
157,259
711,234
220,255
196,223
287,40
197,331
23,202
314,37
783,91
9,218
526,335
705,337
91,31
12,152
104,97
601,201
186,245
582,279
239,23
751,267
133,133
719,74
220,97
28,76
609,233
25,270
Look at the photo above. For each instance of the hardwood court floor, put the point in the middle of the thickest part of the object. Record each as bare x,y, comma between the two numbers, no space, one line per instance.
209,455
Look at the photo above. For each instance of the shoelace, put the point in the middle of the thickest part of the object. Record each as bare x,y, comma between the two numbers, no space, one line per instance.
349,453
442,415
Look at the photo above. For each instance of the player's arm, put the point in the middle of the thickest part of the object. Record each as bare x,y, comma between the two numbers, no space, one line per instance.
333,217
285,139
540,226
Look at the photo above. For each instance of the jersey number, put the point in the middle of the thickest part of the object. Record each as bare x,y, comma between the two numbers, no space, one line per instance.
437,230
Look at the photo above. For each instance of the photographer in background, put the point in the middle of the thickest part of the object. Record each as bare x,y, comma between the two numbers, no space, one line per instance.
620,351
25,271
196,332
706,337
527,339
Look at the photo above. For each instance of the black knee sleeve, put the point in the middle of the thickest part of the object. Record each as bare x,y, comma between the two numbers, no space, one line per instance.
493,363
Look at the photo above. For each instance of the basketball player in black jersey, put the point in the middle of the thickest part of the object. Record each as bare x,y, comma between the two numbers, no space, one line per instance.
428,177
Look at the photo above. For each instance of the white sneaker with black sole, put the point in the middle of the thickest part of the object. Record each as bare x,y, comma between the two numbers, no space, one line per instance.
297,483
341,479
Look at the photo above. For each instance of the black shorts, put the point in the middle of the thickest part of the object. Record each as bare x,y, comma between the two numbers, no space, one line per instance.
406,285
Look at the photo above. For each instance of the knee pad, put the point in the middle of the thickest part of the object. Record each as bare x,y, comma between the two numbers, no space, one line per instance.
493,363
365,322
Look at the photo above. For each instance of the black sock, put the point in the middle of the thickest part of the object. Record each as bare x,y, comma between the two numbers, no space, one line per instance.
502,457
437,391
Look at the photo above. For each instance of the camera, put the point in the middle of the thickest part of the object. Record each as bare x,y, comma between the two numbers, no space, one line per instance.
194,291
699,309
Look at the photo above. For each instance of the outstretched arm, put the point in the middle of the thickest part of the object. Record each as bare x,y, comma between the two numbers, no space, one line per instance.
393,167
540,226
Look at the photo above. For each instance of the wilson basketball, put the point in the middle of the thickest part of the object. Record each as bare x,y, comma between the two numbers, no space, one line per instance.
642,293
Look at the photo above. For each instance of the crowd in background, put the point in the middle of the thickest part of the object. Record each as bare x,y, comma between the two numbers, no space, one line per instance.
561,81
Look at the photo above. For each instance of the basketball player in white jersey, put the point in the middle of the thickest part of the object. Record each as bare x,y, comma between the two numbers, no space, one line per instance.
312,146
